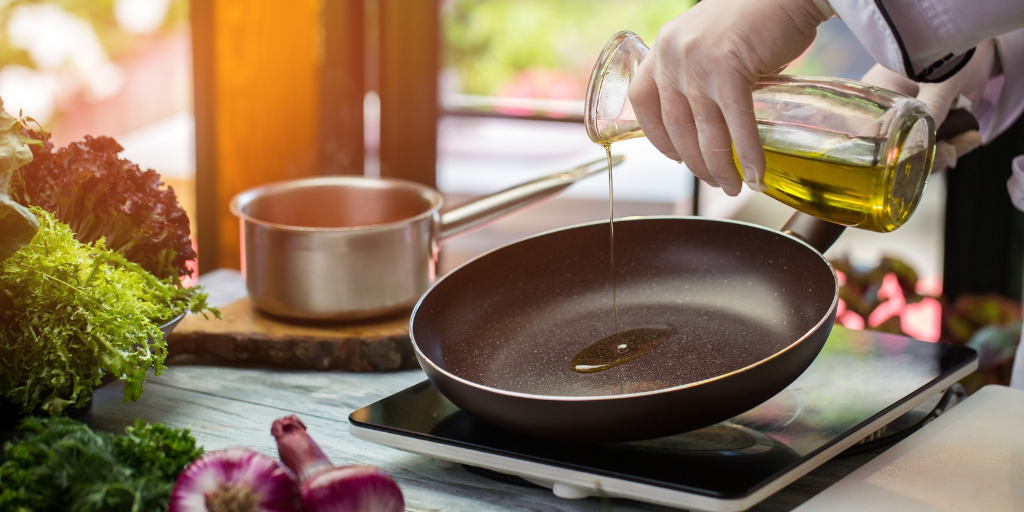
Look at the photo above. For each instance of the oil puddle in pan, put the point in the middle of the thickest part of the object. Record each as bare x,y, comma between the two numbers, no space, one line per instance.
538,359
621,347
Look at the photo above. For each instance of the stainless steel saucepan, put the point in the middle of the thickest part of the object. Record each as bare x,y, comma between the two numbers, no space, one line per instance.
348,247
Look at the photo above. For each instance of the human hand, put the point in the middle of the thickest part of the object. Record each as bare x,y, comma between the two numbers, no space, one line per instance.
962,90
692,94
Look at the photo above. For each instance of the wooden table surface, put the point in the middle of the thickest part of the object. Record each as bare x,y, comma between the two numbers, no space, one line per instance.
234,406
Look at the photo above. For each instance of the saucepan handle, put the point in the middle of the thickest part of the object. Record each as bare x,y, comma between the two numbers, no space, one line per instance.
822,234
488,209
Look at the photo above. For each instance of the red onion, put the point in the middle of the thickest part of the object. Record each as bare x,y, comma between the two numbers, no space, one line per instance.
234,480
325,488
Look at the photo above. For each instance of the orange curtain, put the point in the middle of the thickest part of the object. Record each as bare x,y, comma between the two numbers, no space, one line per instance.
257,93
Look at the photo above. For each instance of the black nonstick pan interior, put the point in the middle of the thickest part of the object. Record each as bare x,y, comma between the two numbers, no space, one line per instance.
730,294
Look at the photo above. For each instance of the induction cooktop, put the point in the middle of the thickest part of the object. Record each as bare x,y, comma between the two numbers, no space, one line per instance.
861,382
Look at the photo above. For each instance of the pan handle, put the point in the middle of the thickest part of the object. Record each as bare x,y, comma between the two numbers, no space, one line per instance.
957,121
818,233
495,206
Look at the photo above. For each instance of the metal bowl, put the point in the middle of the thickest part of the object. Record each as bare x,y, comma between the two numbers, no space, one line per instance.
170,325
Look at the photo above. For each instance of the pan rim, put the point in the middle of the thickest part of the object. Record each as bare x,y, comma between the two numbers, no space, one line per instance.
382,182
562,398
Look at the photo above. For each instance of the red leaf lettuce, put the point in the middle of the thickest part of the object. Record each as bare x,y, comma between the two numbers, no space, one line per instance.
87,186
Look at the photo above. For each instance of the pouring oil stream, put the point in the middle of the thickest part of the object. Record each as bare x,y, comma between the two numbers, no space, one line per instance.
620,346
611,233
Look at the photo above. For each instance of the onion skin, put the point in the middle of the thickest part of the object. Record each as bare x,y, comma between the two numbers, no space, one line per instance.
325,488
297,450
351,489
242,472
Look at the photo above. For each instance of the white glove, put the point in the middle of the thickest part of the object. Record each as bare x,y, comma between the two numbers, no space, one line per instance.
962,90
1015,186
692,94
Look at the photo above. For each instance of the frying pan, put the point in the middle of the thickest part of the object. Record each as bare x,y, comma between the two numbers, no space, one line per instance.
747,310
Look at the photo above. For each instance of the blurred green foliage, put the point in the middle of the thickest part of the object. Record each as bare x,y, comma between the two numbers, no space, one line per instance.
489,42
860,290
98,13
990,324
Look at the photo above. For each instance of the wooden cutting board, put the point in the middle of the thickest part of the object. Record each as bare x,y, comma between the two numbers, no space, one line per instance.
245,335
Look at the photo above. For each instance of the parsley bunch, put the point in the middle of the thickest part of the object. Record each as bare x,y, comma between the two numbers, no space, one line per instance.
62,465
72,312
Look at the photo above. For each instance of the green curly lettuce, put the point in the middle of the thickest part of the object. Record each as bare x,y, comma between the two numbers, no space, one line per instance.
71,313
17,225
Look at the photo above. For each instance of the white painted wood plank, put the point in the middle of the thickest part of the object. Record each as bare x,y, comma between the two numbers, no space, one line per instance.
220,422
329,394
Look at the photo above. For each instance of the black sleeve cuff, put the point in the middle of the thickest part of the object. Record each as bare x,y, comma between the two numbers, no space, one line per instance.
944,68
938,71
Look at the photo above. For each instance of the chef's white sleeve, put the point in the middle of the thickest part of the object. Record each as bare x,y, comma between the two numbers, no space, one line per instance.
927,40
1016,188
1003,100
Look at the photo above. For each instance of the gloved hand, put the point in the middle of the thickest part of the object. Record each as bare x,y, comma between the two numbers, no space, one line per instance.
962,90
692,94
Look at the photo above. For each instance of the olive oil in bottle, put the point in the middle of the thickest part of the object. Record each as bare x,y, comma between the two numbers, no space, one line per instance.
843,151
844,193
846,180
